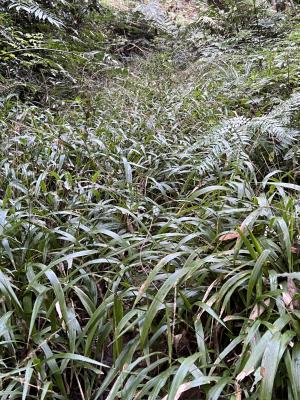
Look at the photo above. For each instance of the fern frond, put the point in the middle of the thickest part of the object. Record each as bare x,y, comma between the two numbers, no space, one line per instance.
240,139
31,8
287,109
210,23
273,129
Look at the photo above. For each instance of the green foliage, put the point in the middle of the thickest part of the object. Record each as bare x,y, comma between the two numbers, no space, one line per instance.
241,139
149,220
56,12
231,17
39,61
38,64
32,9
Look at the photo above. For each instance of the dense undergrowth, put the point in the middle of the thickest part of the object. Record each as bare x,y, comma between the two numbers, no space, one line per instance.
150,207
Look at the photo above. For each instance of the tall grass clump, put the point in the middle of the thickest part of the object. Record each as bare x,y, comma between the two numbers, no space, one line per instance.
149,228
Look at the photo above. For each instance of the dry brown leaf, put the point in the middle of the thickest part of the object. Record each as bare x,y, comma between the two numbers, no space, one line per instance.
292,288
181,341
229,236
130,225
142,289
238,392
295,250
259,309
288,297
176,340
61,268
262,372
288,300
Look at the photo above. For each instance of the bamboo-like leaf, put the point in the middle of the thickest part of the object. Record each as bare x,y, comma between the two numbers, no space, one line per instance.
117,317
259,348
27,379
292,367
215,392
158,300
256,272
195,195
35,311
271,358
167,259
181,374
79,358
59,293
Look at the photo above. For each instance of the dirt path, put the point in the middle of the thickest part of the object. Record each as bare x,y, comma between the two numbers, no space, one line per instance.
182,11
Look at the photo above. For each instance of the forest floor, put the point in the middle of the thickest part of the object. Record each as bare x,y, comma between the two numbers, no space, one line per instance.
183,11
150,223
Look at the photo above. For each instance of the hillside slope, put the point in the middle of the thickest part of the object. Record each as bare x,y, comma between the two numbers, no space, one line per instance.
149,213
